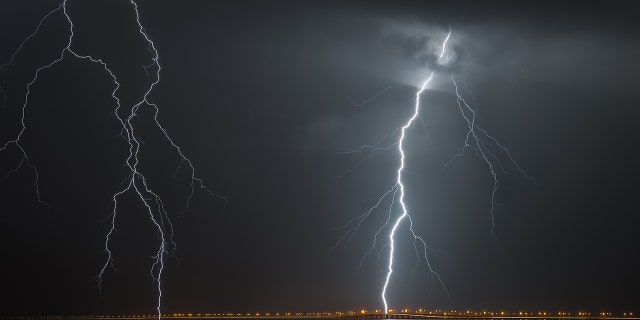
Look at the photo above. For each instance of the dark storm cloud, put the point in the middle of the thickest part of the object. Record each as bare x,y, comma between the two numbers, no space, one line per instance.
262,96
570,46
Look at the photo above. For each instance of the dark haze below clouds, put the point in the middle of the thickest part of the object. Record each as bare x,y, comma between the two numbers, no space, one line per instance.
261,97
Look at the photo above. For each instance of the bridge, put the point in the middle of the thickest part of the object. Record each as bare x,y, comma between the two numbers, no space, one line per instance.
483,317
333,316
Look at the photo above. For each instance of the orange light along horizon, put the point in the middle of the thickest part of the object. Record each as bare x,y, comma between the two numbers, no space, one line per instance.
392,313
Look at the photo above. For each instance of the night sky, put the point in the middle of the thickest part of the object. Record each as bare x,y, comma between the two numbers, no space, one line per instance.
264,96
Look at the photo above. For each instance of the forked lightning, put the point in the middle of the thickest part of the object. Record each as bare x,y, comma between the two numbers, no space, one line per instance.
135,181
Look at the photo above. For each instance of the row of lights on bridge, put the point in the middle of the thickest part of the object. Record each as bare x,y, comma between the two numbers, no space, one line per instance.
340,313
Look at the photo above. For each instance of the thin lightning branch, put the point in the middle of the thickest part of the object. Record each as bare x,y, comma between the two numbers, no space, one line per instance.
35,31
354,224
135,181
476,145
16,141
375,96
377,234
380,145
15,53
424,246
474,141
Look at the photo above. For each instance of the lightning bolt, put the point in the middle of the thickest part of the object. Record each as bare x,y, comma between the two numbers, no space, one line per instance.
135,181
400,186
477,139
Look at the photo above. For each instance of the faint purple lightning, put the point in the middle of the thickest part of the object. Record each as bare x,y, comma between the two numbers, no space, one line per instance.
475,140
135,181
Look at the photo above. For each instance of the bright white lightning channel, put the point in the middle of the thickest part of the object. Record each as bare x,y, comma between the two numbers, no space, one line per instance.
400,187
135,181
